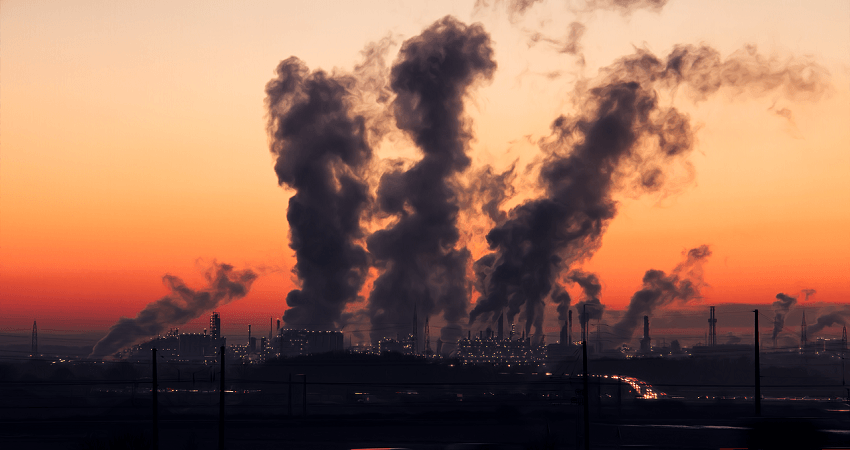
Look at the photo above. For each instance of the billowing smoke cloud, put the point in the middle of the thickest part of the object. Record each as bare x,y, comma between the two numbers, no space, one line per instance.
590,307
782,305
422,264
659,289
177,308
829,319
321,150
621,136
808,293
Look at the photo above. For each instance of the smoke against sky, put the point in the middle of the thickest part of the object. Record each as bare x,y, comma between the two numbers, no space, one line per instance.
683,284
322,151
622,138
782,305
829,319
189,96
224,284
423,265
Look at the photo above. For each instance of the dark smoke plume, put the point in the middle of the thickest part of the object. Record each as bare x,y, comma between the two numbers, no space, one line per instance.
782,305
177,308
321,150
808,293
422,264
839,317
561,299
620,137
659,289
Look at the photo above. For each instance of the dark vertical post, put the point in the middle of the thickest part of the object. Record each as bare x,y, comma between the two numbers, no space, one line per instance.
304,397
619,398
221,402
154,391
586,402
290,395
758,374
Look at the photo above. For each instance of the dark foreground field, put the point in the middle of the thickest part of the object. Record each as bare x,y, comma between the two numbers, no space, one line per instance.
657,425
347,403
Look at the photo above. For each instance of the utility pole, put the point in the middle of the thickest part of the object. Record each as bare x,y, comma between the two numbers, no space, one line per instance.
304,397
154,391
221,402
758,374
586,399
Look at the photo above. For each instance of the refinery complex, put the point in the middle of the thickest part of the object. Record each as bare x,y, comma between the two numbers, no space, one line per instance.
502,347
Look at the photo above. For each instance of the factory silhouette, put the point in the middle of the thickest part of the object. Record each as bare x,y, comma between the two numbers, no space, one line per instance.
497,385
500,347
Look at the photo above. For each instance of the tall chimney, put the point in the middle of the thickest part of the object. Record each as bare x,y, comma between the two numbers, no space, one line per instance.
427,337
712,329
415,332
803,332
34,339
501,331
570,329
215,325
645,346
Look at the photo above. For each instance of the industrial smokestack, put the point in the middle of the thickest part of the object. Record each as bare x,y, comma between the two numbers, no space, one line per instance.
501,335
180,306
645,343
34,349
570,329
215,325
712,328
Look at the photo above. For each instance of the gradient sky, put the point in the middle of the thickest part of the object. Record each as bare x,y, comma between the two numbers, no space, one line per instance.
133,144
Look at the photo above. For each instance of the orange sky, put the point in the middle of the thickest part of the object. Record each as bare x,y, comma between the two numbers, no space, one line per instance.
132,144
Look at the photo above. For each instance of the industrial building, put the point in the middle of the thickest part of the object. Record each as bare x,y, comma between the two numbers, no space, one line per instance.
177,347
305,342
488,349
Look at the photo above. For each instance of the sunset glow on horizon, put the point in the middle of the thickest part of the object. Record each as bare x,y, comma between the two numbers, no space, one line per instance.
135,145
